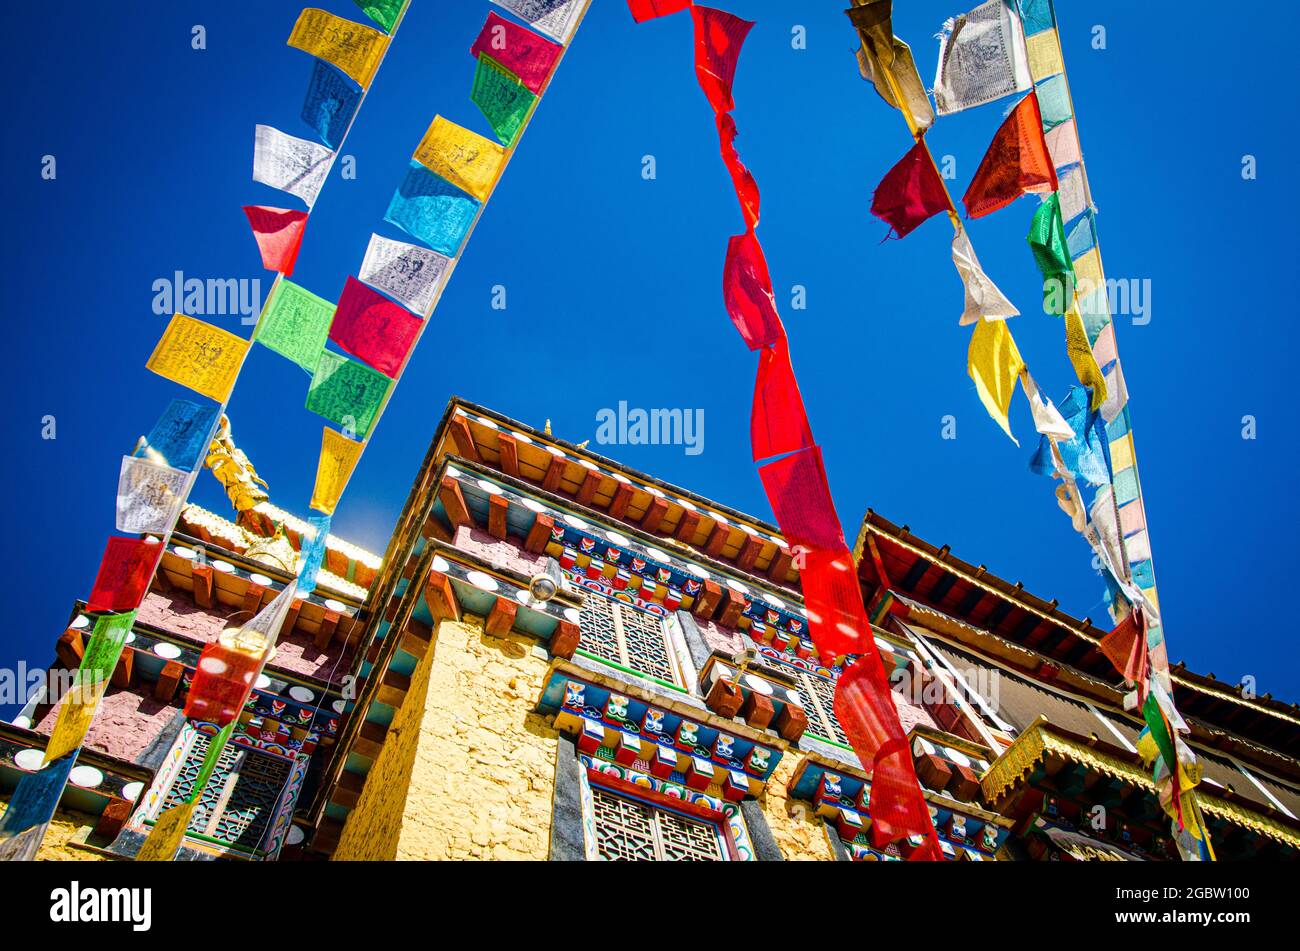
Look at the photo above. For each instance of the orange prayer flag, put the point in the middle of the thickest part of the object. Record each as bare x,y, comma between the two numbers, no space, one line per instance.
1017,162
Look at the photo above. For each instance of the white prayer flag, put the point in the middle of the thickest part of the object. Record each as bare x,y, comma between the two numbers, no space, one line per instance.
1075,199
410,275
983,299
982,57
556,18
149,496
1047,418
294,165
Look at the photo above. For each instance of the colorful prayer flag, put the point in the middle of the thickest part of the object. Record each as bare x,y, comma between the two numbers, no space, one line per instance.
464,158
405,272
77,707
643,10
338,457
149,496
331,102
1052,255
430,208
747,292
181,436
910,192
777,423
1084,454
347,392
168,831
994,363
837,618
983,299
295,324
719,37
353,48
1044,51
1048,420
383,12
556,18
1126,647
800,496
1016,163
31,807
1053,102
520,51
374,329
124,574
873,19
741,178
905,76
1074,194
297,166
982,57
1081,358
198,355
278,233
502,98
1063,144
312,553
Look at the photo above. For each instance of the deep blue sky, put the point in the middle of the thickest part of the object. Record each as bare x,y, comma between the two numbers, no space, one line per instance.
614,282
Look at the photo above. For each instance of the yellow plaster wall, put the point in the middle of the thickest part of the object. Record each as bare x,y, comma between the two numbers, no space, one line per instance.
480,763
799,833
66,828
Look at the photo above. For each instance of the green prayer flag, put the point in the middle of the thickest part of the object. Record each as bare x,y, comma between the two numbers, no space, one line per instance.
383,12
215,749
347,392
1054,101
295,324
502,98
1052,255
1156,724
105,648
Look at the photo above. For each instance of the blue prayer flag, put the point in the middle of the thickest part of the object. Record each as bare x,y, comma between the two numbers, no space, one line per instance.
432,209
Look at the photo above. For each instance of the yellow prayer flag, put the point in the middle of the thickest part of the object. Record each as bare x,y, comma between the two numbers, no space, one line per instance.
464,158
1121,453
994,363
167,834
1044,55
338,457
1087,272
1152,597
76,711
198,355
1081,358
353,48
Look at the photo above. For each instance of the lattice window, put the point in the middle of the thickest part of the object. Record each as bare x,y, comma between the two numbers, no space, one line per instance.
628,830
620,633
818,697
239,801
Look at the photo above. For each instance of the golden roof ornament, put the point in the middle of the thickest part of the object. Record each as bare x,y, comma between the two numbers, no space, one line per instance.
276,551
234,471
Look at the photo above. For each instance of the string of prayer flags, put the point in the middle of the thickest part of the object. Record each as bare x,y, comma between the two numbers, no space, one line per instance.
294,165
383,12
1017,162
1081,358
428,207
1048,420
982,57
994,364
800,496
338,457
502,98
347,392
1044,55
1053,102
374,329
295,324
149,496
1126,648
169,828
777,423
1052,255
312,552
1084,452
464,158
31,807
910,193
643,10
556,18
747,292
278,233
905,76
353,48
983,299
200,356
181,436
77,707
718,39
332,100
741,178
518,50
125,571
405,272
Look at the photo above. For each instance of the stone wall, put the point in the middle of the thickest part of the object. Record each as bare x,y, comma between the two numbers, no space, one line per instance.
66,828
799,833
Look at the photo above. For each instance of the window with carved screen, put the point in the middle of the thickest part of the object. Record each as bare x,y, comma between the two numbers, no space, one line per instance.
239,800
628,830
817,694
631,638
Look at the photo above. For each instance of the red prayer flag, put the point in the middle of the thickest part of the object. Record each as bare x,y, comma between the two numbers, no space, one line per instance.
221,683
796,487
124,574
1017,162
643,10
518,49
374,329
837,619
746,187
777,423
278,232
747,292
718,38
1126,647
910,192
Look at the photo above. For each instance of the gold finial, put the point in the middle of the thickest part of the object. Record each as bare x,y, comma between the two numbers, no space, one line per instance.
547,430
234,471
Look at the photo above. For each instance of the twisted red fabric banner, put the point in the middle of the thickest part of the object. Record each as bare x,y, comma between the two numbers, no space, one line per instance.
796,483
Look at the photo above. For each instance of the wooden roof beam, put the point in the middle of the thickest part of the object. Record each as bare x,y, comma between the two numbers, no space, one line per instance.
508,448
453,501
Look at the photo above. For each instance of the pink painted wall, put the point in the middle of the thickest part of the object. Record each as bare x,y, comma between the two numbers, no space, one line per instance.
505,554
125,725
